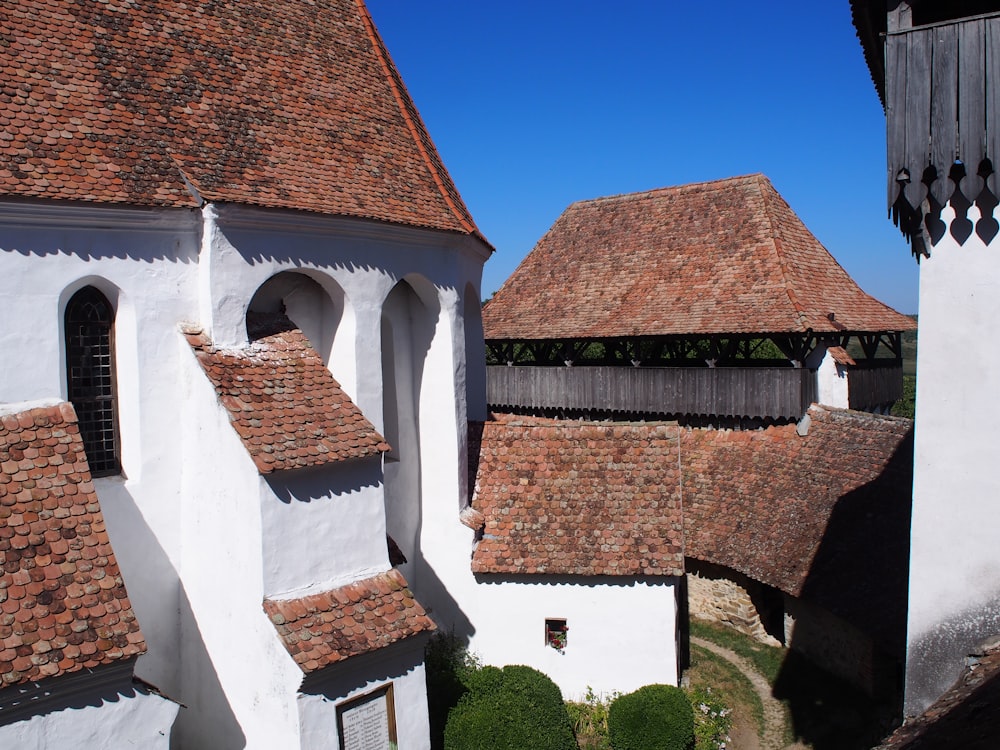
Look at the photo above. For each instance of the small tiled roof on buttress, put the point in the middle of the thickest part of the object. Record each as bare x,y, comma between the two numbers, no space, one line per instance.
577,498
284,404
713,258
823,516
63,604
967,716
364,616
293,104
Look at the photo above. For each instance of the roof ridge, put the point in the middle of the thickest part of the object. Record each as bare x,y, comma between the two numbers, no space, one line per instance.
776,244
667,188
400,94
580,424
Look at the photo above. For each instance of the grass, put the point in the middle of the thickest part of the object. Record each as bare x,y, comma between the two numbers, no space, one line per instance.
590,720
727,682
821,710
767,659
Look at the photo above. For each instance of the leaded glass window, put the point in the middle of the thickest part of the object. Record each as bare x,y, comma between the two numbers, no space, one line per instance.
90,377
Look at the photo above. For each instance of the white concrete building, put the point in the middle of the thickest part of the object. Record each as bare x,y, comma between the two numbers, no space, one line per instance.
579,553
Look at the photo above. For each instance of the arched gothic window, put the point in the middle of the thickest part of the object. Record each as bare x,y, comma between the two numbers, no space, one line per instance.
90,377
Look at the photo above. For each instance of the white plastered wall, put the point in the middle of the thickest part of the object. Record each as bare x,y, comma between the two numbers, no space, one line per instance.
322,528
188,505
400,665
954,566
139,720
238,681
144,262
622,634
831,379
242,249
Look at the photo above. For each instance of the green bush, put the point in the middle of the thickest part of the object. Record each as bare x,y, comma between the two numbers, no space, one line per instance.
654,717
513,708
448,667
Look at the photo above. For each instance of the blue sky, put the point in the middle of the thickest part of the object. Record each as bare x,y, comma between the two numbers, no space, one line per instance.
534,105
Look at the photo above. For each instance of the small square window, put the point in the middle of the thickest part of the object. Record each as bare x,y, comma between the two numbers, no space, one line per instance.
556,634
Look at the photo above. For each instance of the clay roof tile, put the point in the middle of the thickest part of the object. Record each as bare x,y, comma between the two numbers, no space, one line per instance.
284,404
824,516
723,257
358,618
286,105
67,607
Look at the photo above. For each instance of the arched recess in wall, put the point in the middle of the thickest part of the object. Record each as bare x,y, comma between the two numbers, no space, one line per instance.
475,355
99,361
317,305
409,319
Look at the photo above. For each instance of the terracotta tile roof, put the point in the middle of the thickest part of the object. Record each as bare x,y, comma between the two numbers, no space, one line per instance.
63,604
325,628
724,257
967,716
840,355
577,498
287,408
291,105
823,516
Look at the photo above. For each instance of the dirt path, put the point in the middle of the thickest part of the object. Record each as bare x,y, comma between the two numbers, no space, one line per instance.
774,712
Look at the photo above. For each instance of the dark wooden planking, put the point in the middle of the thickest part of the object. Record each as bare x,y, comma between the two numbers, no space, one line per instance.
899,18
944,106
739,391
992,86
875,386
895,110
918,109
972,101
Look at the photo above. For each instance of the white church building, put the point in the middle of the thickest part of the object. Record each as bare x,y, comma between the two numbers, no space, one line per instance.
237,276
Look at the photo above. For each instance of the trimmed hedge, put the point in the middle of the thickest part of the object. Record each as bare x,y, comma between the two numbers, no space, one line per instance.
448,664
513,708
654,717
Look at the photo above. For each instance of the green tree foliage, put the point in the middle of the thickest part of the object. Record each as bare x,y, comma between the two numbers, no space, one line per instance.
654,717
906,406
513,708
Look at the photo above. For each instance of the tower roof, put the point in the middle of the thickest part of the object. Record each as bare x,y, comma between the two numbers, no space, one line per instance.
712,258
294,105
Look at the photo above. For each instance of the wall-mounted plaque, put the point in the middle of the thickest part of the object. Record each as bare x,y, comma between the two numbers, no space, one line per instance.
368,722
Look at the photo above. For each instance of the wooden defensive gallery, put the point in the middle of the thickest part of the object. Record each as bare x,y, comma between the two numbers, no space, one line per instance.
251,454
710,300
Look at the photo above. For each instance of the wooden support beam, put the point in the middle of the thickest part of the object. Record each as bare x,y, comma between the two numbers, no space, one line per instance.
899,17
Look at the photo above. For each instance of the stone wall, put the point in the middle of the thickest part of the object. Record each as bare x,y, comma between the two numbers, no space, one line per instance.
833,644
721,595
